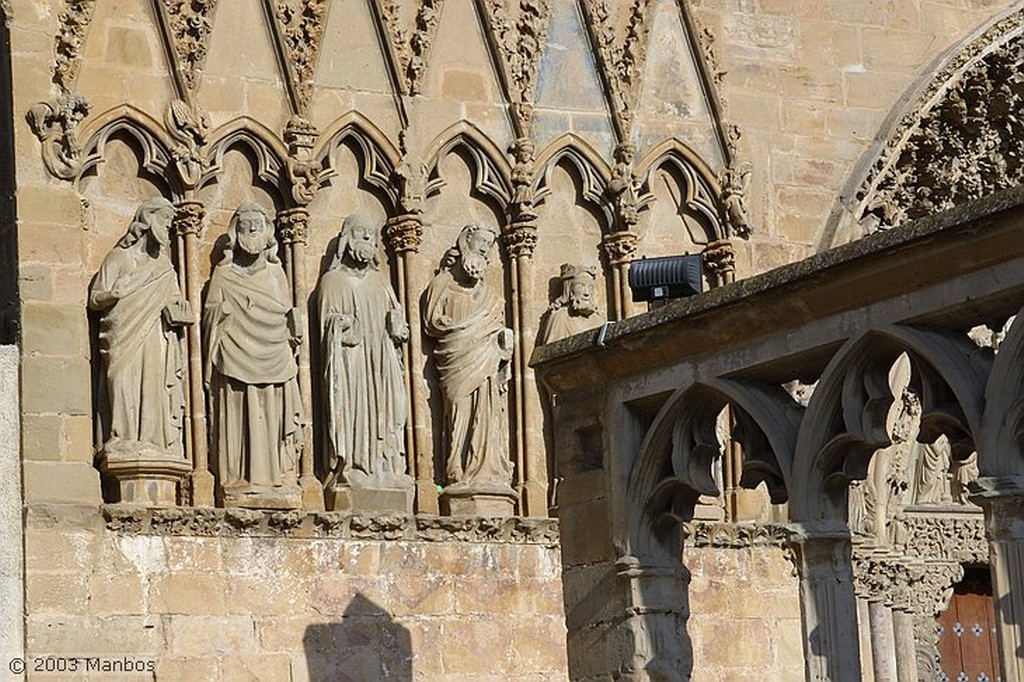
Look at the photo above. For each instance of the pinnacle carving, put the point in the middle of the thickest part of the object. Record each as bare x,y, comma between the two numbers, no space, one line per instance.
411,44
965,141
189,24
622,52
519,30
302,23
73,26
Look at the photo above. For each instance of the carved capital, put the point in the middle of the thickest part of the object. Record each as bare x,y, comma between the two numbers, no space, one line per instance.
719,258
293,226
520,240
404,233
188,218
619,247
55,122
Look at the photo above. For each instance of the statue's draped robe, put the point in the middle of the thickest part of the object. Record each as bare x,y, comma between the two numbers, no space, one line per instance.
473,371
364,387
561,324
255,403
141,353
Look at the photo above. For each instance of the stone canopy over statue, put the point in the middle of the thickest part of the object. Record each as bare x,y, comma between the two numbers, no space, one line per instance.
473,357
250,332
575,310
143,399
362,328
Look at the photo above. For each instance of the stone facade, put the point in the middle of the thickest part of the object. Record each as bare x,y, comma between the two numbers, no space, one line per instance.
579,135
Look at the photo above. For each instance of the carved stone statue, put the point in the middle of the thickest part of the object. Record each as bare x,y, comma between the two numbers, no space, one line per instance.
251,331
521,208
575,310
473,356
362,327
141,315
622,187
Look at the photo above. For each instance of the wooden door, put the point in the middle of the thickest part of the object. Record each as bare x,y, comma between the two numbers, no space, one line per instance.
967,646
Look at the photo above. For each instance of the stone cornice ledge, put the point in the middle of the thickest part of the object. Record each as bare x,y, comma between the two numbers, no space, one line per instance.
811,286
207,522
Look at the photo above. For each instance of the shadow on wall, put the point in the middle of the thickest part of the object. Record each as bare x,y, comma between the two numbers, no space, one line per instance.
366,644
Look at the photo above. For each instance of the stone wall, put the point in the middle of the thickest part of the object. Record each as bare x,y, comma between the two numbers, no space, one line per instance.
12,586
744,614
275,597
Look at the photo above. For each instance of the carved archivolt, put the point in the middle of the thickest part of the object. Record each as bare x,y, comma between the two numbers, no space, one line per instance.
963,139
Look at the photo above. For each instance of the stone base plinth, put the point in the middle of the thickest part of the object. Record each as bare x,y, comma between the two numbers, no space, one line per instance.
368,499
263,497
468,500
145,475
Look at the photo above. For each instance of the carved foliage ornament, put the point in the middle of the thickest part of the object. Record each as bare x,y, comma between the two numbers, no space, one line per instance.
622,52
520,37
74,23
302,29
411,46
965,142
189,23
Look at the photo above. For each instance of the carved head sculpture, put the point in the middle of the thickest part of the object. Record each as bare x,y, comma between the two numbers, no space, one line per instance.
623,153
360,241
154,218
251,232
473,249
522,150
579,285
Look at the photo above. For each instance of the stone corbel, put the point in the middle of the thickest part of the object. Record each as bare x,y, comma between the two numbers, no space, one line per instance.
55,122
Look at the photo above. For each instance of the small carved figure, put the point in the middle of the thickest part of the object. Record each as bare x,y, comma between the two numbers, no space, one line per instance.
473,356
622,187
251,331
932,482
142,313
362,327
521,206
734,189
575,310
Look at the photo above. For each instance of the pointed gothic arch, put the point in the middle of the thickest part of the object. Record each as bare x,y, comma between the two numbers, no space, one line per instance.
144,134
491,171
265,151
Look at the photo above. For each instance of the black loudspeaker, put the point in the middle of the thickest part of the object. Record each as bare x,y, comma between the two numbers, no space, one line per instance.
656,279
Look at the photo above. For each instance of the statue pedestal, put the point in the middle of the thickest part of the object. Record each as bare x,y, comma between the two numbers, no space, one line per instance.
263,497
145,475
393,493
462,499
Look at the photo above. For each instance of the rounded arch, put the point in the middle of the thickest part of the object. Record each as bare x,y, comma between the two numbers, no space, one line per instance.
380,156
268,155
882,189
146,134
702,189
491,169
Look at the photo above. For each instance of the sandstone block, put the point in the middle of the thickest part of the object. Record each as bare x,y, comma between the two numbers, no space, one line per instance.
55,385
62,482
198,593
211,635
117,594
56,592
475,636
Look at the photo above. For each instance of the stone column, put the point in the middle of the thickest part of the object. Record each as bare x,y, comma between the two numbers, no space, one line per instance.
828,606
293,228
883,643
403,234
188,224
619,249
531,463
1002,499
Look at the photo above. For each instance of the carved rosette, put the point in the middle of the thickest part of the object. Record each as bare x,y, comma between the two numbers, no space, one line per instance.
303,170
521,240
404,233
410,47
964,141
301,24
188,24
188,218
619,247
